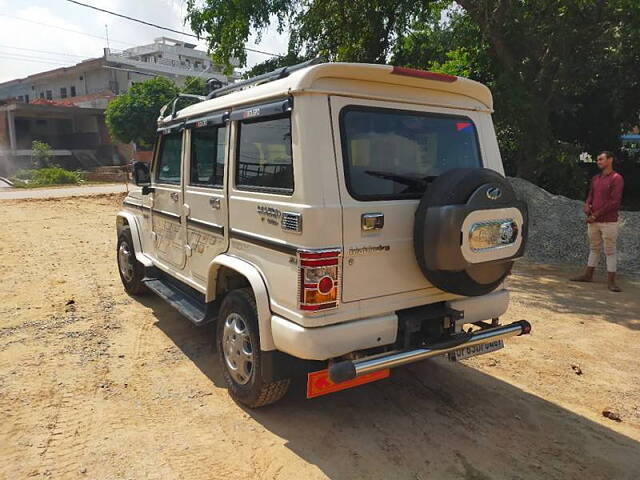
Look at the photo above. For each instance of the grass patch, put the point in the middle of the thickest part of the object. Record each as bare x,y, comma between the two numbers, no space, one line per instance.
42,177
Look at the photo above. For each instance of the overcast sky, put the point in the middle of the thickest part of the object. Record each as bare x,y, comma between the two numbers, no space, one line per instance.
48,38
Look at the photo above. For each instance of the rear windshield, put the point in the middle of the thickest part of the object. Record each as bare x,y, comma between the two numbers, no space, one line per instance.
393,154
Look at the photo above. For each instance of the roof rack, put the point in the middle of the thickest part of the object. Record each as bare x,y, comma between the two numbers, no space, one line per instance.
259,79
173,103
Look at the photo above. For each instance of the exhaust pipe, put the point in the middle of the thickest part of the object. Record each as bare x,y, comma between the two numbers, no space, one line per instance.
349,369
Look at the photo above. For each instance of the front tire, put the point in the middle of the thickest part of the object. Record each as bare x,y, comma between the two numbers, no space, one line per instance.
131,270
239,353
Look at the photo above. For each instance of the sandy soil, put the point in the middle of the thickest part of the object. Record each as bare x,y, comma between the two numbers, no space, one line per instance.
110,387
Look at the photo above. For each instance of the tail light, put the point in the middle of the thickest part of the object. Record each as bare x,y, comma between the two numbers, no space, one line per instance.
319,278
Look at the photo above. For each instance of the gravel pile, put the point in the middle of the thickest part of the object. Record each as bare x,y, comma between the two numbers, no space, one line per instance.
558,232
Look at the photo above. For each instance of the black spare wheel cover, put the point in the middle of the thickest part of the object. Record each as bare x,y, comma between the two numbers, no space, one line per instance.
448,200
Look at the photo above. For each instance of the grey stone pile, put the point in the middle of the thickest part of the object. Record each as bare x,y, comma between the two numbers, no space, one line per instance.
558,232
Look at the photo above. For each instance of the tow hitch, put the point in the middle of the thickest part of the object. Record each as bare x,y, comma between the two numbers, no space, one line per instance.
349,369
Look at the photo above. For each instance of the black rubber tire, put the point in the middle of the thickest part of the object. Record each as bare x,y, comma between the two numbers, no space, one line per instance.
455,187
256,392
135,285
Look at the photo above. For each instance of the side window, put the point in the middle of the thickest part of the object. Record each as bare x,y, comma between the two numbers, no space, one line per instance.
169,158
208,145
264,155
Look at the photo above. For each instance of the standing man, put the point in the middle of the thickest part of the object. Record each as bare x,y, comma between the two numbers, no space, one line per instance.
601,207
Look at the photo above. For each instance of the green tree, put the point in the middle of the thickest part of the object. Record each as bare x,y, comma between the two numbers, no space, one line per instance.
41,154
132,116
564,74
195,86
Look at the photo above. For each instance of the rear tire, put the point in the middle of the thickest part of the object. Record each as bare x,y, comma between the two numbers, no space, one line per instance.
131,270
238,345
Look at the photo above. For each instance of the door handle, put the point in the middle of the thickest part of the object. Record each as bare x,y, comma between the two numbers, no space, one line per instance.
372,221
215,203
174,196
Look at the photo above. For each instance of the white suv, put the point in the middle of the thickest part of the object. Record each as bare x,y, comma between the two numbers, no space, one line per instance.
334,220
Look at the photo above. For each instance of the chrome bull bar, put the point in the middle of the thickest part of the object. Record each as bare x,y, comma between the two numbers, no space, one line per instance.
349,369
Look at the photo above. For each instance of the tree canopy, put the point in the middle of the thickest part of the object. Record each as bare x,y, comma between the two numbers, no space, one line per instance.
564,74
132,116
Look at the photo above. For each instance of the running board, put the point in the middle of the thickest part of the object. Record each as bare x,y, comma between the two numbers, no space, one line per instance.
349,369
197,311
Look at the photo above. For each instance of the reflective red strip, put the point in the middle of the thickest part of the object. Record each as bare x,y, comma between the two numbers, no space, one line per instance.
319,263
328,254
413,72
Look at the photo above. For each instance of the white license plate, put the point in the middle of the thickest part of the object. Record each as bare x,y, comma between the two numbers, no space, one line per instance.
466,352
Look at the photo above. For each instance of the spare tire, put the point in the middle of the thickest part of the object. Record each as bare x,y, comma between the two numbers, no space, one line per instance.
469,228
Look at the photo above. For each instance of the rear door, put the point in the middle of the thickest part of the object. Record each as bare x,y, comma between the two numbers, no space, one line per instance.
387,153
205,192
167,211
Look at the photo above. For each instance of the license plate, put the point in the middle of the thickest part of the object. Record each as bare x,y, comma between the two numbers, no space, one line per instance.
319,383
466,352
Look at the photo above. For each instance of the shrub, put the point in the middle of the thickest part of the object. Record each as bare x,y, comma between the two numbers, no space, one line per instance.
41,152
46,176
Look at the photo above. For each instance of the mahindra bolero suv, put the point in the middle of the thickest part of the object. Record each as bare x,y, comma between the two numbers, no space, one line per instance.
333,220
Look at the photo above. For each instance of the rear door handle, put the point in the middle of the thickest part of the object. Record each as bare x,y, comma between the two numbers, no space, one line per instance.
215,203
372,221
174,196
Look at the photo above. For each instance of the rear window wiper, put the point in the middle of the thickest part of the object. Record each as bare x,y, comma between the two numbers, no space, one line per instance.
414,181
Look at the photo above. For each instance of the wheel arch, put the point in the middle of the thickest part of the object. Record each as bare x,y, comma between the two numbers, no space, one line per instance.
219,271
127,219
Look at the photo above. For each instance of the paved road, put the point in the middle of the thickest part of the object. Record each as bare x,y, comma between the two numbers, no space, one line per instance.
20,193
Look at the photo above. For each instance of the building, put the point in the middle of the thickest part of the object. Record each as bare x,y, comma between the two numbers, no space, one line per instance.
65,106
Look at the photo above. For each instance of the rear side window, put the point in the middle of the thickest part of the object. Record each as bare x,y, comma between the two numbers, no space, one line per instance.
264,155
394,154
207,156
170,158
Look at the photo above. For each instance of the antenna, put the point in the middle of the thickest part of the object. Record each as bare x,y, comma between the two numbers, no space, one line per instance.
106,30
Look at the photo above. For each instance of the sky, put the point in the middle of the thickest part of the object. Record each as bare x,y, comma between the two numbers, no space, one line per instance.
40,35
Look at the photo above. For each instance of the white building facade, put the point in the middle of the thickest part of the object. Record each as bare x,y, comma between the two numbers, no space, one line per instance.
115,72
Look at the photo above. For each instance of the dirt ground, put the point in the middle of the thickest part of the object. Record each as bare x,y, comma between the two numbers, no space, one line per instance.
95,384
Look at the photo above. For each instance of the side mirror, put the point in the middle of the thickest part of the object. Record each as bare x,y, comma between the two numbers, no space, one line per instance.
141,176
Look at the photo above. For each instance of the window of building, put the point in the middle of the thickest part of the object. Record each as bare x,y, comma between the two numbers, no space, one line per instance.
49,95
41,94
169,158
207,156
264,155
63,92
26,99
73,90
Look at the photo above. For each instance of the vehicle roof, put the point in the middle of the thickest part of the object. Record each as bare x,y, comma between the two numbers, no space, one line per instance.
311,78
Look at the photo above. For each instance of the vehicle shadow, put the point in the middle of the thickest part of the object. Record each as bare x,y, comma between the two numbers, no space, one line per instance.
429,420
550,285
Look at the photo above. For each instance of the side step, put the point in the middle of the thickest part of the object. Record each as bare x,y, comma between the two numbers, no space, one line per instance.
188,305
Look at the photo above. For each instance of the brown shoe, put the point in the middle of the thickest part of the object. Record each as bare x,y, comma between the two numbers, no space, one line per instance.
611,281
587,276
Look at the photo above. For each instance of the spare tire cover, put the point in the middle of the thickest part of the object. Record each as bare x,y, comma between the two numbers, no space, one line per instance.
438,229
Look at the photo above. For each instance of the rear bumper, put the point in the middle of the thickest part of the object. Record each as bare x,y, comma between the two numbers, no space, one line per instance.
485,307
348,370
323,343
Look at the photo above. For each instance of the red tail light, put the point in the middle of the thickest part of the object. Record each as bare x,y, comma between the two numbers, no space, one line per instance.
413,72
319,274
